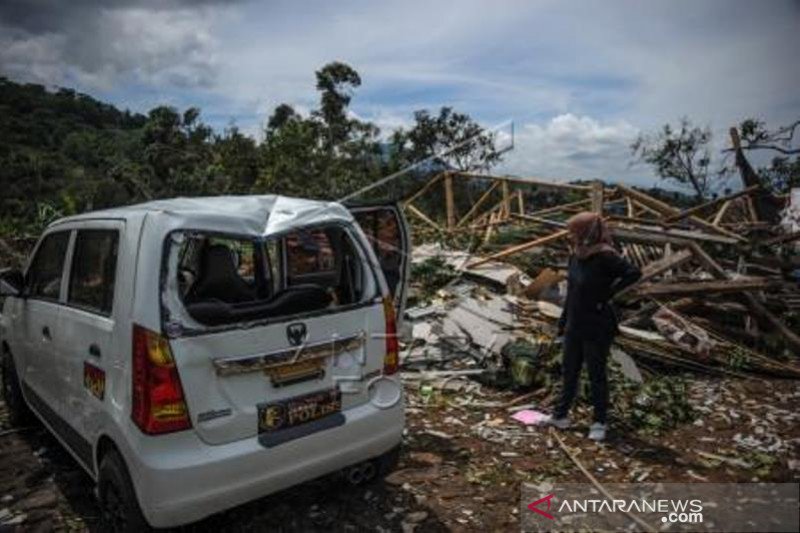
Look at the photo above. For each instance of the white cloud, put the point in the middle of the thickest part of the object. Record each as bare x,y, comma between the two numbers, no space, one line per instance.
569,147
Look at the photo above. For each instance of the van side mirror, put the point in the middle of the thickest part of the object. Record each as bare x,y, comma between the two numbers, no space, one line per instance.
11,282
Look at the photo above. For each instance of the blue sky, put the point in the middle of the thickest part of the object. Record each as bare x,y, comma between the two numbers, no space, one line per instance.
580,79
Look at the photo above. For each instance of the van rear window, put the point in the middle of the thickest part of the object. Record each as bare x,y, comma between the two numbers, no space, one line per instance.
222,279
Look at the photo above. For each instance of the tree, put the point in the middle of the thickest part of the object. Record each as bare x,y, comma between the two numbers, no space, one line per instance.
452,138
678,154
783,171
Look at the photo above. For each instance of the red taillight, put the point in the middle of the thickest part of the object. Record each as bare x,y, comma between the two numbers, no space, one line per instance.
391,361
158,402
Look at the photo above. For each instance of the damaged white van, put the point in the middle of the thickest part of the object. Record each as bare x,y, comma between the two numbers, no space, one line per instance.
196,353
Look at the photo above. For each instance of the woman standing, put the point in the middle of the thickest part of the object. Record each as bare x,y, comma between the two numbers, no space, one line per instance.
596,272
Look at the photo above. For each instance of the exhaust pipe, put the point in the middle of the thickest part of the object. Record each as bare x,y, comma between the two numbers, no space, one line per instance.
361,473
354,475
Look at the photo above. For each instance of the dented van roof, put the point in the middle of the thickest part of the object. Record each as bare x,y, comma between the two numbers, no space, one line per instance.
251,215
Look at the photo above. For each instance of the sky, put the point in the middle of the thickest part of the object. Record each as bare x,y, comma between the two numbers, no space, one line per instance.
579,79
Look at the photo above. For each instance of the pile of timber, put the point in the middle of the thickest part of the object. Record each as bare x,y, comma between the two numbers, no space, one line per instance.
720,286
709,295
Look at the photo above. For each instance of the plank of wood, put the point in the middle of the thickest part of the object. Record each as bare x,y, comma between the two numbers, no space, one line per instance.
449,201
792,338
663,236
667,210
721,213
660,266
597,197
422,216
539,182
521,247
704,287
711,203
478,204
520,202
506,199
422,190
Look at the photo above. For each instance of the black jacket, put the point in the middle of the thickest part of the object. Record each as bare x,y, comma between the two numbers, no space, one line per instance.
591,283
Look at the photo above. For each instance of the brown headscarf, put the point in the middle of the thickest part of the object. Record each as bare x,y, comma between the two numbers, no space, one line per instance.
590,234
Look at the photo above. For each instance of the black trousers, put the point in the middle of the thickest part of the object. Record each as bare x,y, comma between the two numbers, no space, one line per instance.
595,354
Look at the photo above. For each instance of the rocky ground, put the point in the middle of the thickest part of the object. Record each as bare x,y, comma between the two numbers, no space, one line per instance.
462,467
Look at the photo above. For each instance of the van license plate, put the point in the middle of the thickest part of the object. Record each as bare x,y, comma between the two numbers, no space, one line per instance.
298,410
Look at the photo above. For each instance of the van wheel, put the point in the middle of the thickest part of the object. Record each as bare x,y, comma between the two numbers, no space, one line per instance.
119,507
19,414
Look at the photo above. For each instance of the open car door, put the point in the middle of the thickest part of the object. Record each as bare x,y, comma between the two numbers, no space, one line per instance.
386,228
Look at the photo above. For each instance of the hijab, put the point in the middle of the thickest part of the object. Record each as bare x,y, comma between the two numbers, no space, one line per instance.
590,234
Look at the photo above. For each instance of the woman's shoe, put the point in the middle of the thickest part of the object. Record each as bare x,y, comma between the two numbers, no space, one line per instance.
597,431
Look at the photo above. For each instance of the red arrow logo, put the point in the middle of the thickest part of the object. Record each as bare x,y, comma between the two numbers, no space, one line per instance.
533,506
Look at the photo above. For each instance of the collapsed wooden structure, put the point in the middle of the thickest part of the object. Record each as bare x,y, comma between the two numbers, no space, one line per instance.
719,265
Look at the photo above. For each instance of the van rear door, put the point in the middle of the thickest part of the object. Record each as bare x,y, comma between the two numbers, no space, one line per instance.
387,230
273,338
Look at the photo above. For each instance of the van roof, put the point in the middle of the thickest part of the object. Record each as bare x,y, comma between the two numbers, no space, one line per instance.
253,214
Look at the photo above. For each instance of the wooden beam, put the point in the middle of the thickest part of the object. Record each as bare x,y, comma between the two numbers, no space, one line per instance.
506,199
422,216
521,247
520,202
655,268
540,220
449,201
561,207
597,197
478,204
528,181
663,236
696,209
704,287
721,213
422,190
667,210
792,338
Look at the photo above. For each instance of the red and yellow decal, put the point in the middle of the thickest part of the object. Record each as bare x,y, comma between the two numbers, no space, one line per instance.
94,379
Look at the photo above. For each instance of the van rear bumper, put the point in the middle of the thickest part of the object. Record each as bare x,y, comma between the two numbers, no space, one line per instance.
180,479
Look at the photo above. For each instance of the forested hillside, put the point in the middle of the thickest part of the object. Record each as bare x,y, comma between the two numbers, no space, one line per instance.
63,152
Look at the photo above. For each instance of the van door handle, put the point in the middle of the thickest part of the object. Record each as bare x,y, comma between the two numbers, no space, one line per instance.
46,333
94,350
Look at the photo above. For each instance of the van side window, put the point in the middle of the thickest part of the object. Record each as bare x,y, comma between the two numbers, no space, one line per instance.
43,279
94,267
309,252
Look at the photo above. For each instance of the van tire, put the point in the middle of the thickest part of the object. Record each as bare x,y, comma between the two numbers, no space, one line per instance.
119,508
19,414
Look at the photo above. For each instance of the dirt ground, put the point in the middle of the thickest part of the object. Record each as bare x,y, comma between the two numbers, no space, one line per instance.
461,468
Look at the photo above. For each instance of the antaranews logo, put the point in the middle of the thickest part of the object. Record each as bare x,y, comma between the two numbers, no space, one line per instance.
681,511
534,506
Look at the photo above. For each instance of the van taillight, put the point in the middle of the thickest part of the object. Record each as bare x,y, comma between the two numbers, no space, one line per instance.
391,360
158,402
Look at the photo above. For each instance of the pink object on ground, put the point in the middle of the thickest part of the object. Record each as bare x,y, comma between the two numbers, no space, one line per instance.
530,417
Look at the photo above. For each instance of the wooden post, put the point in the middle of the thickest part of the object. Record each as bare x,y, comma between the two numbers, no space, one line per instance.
597,197
449,201
520,202
506,199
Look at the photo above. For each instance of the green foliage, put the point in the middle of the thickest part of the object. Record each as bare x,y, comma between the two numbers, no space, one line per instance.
678,154
64,152
783,172
659,404
452,138
431,275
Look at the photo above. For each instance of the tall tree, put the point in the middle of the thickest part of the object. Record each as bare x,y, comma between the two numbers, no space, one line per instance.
451,138
680,154
782,143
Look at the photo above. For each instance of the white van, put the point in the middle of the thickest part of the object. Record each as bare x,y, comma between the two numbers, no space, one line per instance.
197,353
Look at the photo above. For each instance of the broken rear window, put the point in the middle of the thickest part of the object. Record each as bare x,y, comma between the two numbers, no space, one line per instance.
217,279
